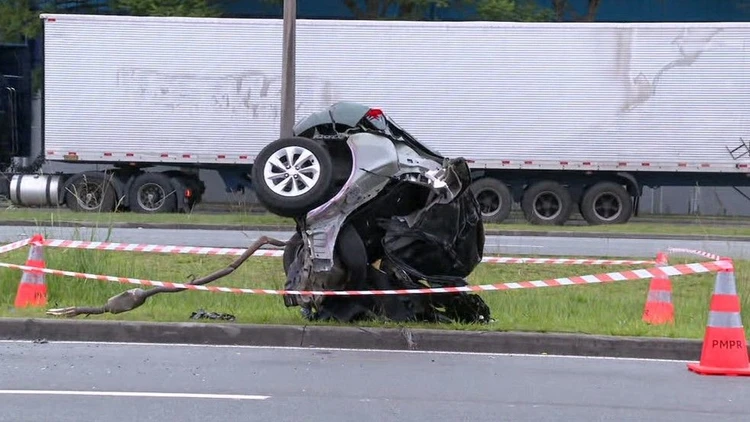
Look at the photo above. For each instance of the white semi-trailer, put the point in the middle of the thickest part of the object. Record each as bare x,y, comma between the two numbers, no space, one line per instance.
554,116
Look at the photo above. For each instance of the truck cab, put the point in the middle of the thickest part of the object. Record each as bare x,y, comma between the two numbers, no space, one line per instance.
15,106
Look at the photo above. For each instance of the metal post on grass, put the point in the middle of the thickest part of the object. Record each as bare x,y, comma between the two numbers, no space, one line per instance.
288,64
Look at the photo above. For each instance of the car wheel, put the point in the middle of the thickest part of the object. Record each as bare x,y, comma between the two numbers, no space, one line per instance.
291,176
606,203
495,201
547,203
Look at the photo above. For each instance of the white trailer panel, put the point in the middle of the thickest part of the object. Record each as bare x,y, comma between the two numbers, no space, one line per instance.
631,96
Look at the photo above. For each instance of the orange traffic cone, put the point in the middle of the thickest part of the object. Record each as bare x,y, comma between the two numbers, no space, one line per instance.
724,345
659,308
32,291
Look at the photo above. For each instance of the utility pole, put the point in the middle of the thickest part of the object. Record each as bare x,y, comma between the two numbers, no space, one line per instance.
288,65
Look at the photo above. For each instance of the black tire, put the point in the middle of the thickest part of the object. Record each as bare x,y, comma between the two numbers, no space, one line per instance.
90,192
555,207
495,200
152,193
288,206
606,203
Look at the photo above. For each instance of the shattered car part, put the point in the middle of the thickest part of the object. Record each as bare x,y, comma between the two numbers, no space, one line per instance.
375,209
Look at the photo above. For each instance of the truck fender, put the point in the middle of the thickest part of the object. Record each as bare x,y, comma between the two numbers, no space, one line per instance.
633,186
179,187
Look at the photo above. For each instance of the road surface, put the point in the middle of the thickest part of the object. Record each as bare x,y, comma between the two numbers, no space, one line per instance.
494,245
80,382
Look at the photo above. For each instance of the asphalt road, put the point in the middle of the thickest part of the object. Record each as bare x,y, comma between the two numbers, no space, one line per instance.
92,382
506,245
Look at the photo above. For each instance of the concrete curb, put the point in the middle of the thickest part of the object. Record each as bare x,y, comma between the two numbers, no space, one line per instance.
349,337
521,233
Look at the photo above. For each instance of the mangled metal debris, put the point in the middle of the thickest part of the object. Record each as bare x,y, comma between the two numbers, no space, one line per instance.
374,209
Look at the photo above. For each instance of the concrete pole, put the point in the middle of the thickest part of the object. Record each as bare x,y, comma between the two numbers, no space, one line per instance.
288,65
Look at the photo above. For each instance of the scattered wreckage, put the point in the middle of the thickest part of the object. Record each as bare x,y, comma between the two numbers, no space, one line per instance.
374,209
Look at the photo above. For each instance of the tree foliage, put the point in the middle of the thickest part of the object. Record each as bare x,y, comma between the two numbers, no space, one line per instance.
18,21
187,8
564,10
405,9
513,10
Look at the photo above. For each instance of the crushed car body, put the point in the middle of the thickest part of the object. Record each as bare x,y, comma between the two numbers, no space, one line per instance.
375,209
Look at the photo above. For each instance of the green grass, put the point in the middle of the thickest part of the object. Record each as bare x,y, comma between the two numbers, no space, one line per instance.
608,309
53,216
700,226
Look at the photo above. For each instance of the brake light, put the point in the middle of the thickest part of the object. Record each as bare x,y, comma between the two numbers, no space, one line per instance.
188,193
374,113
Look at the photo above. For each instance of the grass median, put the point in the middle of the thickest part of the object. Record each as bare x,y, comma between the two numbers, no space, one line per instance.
685,225
608,309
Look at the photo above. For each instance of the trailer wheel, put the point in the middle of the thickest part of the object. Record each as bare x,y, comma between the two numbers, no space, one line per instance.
90,192
152,193
495,200
606,203
547,203
291,176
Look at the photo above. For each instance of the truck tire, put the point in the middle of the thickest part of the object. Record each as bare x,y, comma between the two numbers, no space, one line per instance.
547,203
279,198
606,203
90,191
152,193
495,200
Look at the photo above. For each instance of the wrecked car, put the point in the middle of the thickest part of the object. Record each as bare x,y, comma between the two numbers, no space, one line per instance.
374,209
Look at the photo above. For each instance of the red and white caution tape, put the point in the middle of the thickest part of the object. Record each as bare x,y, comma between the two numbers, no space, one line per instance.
15,245
673,270
566,261
135,247
196,250
696,252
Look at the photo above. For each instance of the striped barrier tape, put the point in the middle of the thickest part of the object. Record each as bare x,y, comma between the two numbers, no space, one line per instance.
197,250
15,245
696,252
565,261
673,270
